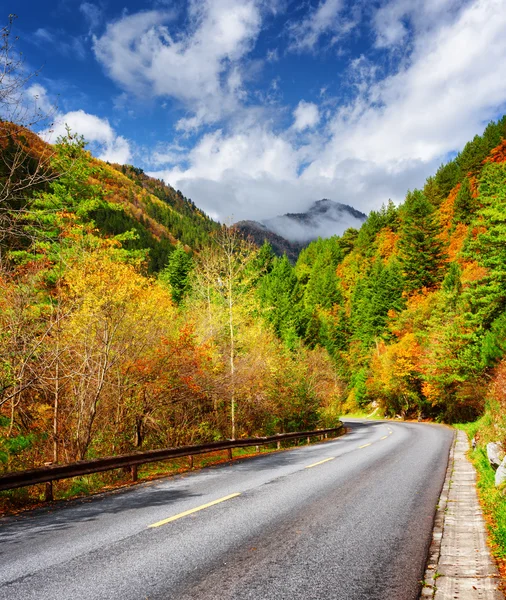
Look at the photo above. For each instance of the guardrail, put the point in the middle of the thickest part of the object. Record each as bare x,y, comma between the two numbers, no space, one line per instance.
51,473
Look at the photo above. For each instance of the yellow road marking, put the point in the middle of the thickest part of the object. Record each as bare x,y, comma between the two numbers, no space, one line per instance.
384,437
193,510
320,463
365,445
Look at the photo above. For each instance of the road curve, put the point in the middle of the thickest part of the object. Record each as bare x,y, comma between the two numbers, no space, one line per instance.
349,519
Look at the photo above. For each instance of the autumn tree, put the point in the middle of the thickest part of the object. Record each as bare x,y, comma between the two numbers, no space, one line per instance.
23,167
225,278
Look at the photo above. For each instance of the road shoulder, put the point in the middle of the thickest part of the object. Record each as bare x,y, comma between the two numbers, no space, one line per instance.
460,565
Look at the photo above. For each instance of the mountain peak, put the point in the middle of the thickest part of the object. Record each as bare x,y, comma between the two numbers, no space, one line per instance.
289,233
324,218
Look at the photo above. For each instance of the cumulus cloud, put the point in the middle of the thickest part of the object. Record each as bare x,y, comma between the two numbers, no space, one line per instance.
306,115
104,141
200,68
395,132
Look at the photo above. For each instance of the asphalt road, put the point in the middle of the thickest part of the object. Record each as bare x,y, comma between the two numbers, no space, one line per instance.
356,526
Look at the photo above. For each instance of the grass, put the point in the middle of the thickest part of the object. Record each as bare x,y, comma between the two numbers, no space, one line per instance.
364,414
492,499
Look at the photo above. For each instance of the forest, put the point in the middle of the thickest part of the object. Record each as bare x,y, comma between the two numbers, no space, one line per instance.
130,320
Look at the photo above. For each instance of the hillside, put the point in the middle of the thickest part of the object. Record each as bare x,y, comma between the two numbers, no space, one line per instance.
148,214
115,337
413,306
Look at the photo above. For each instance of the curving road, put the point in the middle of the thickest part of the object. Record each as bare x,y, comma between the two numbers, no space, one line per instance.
348,519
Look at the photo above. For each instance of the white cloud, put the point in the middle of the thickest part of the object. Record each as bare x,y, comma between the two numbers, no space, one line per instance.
328,18
200,69
242,174
392,21
105,142
455,82
37,94
390,138
92,13
306,115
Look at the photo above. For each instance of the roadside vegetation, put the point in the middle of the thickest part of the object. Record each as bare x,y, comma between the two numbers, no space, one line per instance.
492,499
129,320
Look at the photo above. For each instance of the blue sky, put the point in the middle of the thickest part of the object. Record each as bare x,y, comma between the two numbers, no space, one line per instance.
256,108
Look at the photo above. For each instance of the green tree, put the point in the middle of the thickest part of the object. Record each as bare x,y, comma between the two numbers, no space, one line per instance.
422,252
177,273
487,298
280,295
465,205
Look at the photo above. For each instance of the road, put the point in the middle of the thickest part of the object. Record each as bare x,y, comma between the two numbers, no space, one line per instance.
347,519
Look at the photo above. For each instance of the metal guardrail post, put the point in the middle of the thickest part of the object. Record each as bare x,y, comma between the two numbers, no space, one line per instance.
48,496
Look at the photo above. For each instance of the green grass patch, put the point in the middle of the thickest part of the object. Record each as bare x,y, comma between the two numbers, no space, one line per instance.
370,413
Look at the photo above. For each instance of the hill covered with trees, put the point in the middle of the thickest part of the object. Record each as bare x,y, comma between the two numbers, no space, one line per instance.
129,319
412,307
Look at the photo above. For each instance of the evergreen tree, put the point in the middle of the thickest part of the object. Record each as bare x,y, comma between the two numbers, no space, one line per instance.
465,205
280,295
422,252
177,273
488,296
447,177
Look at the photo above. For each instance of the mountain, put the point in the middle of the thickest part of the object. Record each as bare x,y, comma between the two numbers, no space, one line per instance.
291,232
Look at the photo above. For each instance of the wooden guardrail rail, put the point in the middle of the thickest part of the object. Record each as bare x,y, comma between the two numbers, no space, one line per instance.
51,473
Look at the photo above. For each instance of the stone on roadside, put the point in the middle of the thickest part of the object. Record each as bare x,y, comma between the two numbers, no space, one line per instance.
495,454
500,474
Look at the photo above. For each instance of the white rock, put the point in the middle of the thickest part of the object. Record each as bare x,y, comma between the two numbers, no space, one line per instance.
500,474
495,454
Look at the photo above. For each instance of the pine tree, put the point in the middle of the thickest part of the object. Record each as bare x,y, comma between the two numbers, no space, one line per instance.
465,205
280,295
488,296
422,252
177,272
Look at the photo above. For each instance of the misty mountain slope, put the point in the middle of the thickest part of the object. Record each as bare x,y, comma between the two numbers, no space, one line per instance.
291,232
324,218
259,233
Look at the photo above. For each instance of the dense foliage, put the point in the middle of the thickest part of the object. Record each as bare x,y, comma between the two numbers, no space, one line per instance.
99,355
412,307
128,319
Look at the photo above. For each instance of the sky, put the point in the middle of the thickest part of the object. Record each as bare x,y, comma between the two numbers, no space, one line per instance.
255,108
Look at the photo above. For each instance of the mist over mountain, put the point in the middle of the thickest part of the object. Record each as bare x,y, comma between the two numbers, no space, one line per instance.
291,232
324,218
